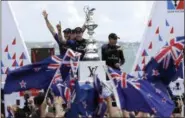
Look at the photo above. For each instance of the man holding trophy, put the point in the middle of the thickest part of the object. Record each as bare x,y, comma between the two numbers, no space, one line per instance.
88,48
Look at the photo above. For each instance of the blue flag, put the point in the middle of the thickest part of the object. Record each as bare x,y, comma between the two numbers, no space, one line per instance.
85,101
167,65
37,75
140,95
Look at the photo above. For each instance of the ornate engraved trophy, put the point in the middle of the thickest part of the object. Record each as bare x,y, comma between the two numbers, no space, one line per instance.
91,51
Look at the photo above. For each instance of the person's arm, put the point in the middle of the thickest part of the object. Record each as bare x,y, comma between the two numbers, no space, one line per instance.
43,108
103,54
60,36
122,59
112,111
50,27
58,106
84,27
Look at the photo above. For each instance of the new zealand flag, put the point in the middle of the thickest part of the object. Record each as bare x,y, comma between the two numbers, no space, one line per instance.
37,75
167,65
141,95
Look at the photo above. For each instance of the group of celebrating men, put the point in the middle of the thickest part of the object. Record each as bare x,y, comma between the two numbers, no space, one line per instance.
73,38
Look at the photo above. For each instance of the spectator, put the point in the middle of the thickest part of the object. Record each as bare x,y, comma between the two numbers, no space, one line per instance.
20,113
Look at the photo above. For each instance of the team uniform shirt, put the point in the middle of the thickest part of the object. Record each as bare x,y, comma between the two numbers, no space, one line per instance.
62,46
78,46
112,55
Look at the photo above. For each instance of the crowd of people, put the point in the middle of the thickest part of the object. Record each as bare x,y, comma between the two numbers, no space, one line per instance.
54,106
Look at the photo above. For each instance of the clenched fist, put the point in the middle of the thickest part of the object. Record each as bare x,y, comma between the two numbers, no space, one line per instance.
45,14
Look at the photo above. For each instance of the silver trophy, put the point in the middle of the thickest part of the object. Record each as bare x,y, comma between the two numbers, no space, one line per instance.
91,51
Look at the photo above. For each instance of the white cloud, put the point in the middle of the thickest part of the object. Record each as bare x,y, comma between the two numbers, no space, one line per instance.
74,18
105,19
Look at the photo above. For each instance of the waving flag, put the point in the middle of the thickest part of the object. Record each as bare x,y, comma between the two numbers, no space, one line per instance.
86,99
38,75
166,66
99,88
165,24
140,95
64,86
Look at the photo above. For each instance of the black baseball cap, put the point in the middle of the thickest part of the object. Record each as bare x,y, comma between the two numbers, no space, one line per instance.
78,29
73,31
113,36
67,30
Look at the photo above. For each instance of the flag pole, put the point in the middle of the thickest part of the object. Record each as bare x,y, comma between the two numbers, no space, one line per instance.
114,90
58,69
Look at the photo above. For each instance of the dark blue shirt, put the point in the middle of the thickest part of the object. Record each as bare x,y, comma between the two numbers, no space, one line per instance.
62,46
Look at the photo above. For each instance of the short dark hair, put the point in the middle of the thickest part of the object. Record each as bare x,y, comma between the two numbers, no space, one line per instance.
78,29
39,99
67,30
73,31
20,113
113,36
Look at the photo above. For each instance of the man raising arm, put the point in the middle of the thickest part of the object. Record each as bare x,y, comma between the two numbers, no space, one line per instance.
57,36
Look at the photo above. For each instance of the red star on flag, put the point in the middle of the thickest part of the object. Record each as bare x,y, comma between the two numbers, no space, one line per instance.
164,100
155,73
22,84
154,110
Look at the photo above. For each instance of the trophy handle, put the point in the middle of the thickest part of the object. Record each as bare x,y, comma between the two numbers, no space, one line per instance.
86,10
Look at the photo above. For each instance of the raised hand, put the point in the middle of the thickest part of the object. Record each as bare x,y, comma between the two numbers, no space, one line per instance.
45,14
58,100
59,27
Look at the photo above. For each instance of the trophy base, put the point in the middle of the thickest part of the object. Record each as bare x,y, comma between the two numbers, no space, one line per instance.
91,57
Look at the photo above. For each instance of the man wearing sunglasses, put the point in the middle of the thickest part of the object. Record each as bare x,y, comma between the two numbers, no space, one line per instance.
112,54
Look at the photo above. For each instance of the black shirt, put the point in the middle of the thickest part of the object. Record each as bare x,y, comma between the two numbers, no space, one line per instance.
112,55
78,46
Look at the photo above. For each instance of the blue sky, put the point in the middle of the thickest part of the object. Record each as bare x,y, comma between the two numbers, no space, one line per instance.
127,19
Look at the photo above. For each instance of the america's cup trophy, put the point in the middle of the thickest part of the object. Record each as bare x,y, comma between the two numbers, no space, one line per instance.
91,51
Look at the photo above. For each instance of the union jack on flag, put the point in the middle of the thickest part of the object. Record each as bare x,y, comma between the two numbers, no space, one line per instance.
57,63
57,77
70,55
172,49
119,77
